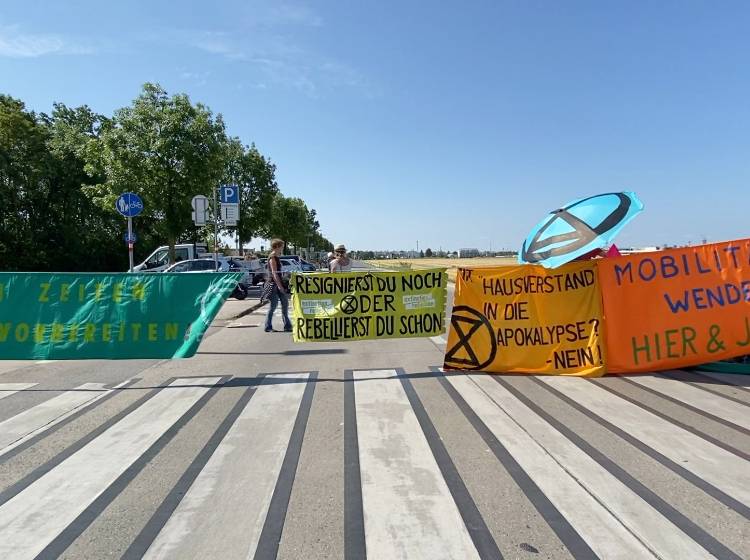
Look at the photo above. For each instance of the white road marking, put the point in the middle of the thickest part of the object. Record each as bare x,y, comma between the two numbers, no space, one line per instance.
33,518
615,504
703,400
409,511
722,469
223,512
8,389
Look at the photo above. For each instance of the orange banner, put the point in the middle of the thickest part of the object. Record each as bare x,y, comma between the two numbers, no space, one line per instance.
676,308
527,319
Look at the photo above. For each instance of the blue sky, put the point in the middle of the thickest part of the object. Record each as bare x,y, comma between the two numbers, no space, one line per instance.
451,124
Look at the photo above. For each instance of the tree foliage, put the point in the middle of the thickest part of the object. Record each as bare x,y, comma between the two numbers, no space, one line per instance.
256,177
46,220
61,173
165,149
292,221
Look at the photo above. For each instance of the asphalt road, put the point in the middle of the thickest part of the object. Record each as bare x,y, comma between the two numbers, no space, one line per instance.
261,448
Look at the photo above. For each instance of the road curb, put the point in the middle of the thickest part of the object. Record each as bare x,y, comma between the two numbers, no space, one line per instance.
248,310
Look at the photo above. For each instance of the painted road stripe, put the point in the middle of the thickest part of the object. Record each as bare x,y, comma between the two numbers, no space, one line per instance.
480,534
354,519
14,430
625,507
408,508
690,395
33,518
270,537
165,510
672,420
8,389
740,382
27,441
704,383
718,467
606,536
223,513
690,528
577,547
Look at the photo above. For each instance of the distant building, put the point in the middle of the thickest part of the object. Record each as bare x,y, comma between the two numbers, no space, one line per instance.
467,253
639,250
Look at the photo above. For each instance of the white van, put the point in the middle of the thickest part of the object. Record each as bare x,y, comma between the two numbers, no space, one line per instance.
159,259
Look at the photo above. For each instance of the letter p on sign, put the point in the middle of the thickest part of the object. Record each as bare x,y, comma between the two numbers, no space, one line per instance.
229,194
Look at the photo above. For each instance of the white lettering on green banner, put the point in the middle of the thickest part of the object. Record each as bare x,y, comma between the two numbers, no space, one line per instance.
62,316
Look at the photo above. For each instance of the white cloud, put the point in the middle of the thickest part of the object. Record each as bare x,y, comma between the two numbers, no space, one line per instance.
291,14
215,42
16,44
279,61
198,78
268,52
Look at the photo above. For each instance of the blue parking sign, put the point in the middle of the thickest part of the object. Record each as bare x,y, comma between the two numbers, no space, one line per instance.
229,194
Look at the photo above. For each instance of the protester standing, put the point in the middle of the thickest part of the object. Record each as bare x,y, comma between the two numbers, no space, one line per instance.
341,263
279,291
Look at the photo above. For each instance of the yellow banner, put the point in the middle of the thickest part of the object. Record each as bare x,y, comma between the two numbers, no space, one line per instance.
366,305
527,319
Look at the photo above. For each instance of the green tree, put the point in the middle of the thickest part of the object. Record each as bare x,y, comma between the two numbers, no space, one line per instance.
167,150
24,168
82,235
428,253
47,222
319,242
293,221
256,177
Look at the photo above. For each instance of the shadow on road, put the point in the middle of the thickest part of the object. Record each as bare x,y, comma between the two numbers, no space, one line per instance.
284,353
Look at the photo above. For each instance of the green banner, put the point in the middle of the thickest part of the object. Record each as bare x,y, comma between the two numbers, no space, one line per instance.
70,316
366,305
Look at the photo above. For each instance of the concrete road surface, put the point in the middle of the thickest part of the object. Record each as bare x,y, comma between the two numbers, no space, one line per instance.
262,448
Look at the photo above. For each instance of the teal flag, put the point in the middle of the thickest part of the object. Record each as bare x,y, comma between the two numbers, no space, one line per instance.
70,316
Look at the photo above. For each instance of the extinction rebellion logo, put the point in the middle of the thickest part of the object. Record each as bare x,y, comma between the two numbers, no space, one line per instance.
541,247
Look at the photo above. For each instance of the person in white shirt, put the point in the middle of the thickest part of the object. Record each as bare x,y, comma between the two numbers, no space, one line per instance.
341,263
256,268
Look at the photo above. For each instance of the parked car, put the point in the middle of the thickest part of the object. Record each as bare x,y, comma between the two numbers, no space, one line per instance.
200,265
209,265
159,259
288,265
252,277
300,264
307,266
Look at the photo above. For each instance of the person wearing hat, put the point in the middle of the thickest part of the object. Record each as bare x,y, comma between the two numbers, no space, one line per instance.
341,263
329,260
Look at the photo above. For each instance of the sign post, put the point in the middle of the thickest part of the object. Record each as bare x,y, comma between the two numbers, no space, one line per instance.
230,205
129,205
216,232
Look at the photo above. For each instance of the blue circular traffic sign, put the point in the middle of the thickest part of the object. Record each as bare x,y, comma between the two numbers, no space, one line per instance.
129,204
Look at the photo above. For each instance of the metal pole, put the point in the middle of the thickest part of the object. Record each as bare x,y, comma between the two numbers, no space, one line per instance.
216,229
130,243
